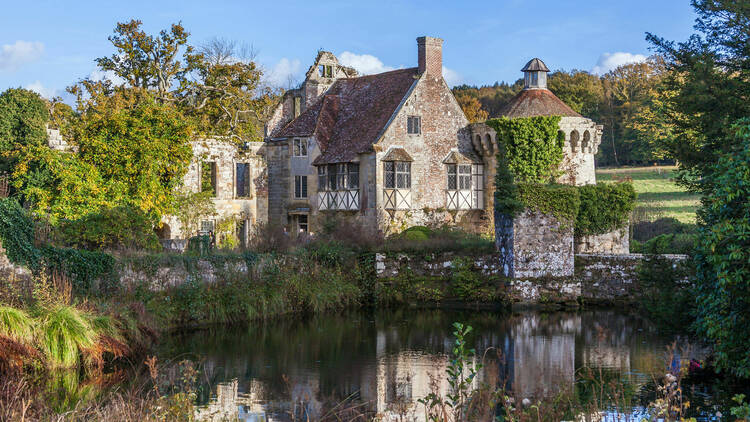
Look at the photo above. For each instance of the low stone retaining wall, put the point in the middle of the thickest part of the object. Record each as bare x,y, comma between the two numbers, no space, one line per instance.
433,265
613,278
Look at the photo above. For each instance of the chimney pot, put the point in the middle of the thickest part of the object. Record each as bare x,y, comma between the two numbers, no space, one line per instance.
430,55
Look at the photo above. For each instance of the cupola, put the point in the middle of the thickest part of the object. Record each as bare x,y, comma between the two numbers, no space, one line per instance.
535,74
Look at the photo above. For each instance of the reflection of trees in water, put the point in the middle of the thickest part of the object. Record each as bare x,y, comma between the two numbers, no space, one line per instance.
389,358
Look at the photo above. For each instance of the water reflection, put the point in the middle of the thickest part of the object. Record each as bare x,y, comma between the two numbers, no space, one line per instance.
390,359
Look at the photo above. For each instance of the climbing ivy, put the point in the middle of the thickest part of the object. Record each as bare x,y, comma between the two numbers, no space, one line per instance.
560,201
604,207
533,146
17,236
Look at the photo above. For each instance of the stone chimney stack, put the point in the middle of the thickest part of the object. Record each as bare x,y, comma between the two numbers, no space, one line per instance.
430,55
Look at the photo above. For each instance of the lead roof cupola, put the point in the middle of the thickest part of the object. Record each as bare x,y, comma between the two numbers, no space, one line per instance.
535,74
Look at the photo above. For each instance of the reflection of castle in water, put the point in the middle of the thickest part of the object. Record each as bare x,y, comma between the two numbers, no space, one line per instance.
531,354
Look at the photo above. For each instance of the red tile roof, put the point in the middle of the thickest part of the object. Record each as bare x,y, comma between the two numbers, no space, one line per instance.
351,116
536,102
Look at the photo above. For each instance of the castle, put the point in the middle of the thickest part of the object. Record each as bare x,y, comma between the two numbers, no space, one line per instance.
395,150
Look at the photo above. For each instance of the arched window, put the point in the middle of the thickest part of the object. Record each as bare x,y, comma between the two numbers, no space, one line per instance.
574,139
586,144
490,146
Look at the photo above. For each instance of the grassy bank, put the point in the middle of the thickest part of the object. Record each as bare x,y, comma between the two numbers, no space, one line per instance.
658,195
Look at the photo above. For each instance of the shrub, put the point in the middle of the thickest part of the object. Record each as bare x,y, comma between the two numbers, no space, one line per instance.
17,234
723,258
645,230
123,227
666,294
604,207
666,244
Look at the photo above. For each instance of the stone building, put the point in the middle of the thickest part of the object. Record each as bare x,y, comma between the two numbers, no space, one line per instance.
390,150
236,176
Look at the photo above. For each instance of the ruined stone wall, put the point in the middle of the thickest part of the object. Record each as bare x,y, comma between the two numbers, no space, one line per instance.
444,129
56,142
614,242
227,154
277,158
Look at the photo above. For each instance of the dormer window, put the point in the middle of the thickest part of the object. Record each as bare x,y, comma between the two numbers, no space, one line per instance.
325,71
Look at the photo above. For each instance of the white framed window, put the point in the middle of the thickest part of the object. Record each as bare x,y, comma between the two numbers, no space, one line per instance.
300,187
302,225
300,147
414,125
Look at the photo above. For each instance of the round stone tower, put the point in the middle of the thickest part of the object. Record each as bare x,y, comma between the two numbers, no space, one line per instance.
582,135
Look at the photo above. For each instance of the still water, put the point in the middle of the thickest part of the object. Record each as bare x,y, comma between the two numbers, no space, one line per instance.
387,360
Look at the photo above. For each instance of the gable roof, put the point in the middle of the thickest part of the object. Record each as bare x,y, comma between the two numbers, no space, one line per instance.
536,102
351,116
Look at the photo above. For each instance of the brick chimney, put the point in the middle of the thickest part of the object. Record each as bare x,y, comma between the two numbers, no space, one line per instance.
430,52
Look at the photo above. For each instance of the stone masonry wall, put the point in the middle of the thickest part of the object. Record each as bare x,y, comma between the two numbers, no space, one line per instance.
614,242
542,247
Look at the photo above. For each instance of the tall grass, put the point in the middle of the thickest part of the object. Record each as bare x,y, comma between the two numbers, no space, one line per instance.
16,324
64,332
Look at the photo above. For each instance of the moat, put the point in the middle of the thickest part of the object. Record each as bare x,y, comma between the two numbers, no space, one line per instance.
388,359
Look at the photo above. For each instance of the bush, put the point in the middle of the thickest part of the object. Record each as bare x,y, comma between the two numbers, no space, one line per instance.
604,207
422,240
645,230
17,234
666,294
723,258
123,227
666,244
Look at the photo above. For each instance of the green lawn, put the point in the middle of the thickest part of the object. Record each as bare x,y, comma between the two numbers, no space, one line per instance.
658,195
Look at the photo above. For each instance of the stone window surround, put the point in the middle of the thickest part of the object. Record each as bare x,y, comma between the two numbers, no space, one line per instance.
300,187
413,125
300,147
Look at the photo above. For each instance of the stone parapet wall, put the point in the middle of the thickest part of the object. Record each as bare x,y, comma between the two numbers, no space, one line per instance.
433,265
614,242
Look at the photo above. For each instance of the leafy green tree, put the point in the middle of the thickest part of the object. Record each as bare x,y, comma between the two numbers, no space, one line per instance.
147,61
707,86
471,107
723,256
580,90
141,151
23,122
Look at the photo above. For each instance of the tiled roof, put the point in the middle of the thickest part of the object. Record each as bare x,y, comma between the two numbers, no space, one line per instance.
536,102
397,154
352,114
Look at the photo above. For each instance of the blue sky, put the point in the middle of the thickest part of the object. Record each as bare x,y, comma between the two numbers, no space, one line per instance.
47,45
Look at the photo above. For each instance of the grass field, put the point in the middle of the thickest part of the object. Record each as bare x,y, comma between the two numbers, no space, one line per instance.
658,195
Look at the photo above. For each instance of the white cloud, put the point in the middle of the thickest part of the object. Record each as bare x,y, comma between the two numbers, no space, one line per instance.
101,75
610,61
284,72
452,78
13,56
40,89
365,64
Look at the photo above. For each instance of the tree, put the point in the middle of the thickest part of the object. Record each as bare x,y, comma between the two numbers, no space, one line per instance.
139,146
708,85
472,108
23,122
723,256
225,95
150,62
580,90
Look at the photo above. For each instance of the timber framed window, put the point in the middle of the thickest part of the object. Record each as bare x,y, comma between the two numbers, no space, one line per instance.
338,186
465,186
242,180
413,125
300,187
300,148
397,184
